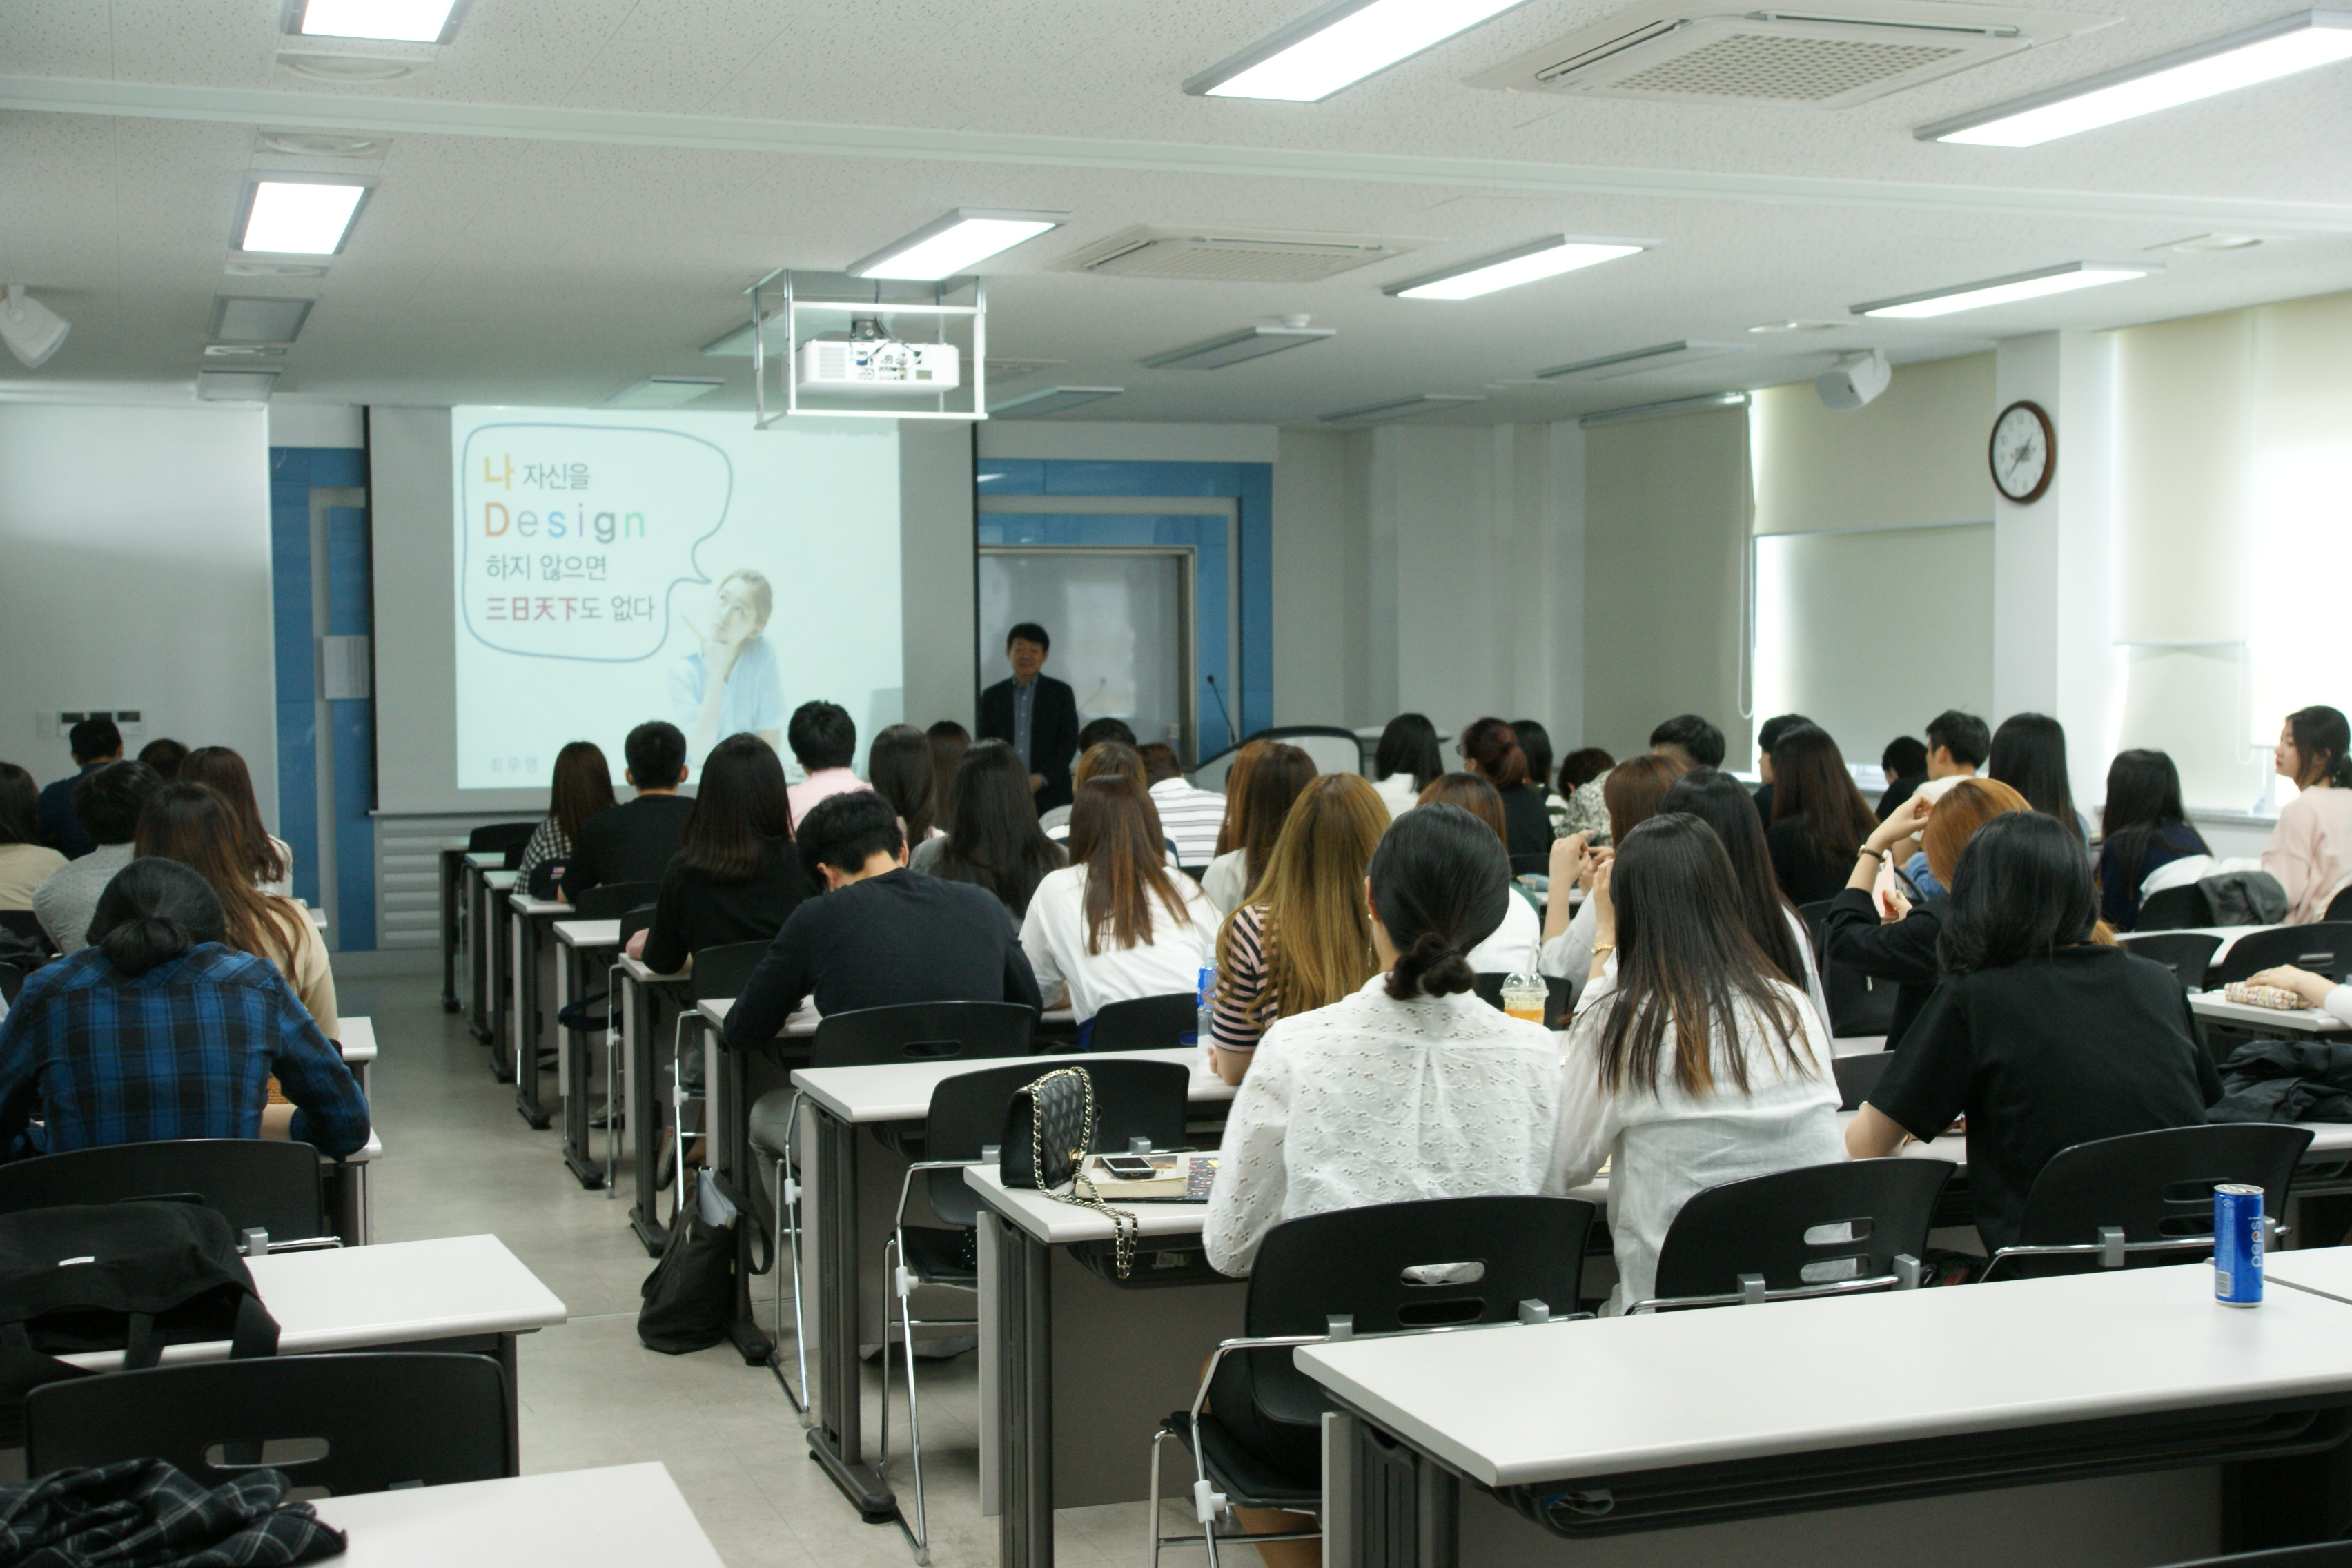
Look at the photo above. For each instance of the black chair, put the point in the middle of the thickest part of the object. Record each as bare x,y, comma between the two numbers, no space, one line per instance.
2144,1197
12,981
1559,998
1859,1004
2185,953
614,899
1819,1230
923,1032
507,838
2321,947
1857,1075
1381,1270
966,1112
1145,1023
25,923
2339,907
352,1423
257,1183
2175,908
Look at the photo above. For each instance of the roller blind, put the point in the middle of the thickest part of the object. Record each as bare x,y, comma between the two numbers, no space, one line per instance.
2184,478
1666,520
1914,457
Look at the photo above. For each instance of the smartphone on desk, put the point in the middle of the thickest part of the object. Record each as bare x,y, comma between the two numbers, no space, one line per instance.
1130,1167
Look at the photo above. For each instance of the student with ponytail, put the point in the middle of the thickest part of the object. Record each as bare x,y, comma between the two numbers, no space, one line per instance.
159,1031
1411,1086
2310,851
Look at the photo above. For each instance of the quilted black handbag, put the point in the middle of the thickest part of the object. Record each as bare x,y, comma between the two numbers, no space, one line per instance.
1049,1129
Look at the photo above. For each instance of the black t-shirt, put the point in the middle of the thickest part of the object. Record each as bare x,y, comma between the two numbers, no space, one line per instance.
696,910
631,843
1527,821
1904,953
1808,873
899,937
1899,791
2087,1043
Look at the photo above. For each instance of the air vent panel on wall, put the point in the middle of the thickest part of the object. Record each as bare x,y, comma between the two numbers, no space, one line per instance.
1848,52
1231,255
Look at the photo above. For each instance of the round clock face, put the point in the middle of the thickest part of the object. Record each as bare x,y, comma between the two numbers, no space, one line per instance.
2023,452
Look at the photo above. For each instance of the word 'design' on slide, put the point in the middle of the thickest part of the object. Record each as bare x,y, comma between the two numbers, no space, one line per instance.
614,567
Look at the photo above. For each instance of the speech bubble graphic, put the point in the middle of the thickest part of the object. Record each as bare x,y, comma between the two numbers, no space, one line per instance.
574,538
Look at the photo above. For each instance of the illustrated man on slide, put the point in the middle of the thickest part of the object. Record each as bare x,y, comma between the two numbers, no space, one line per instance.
731,685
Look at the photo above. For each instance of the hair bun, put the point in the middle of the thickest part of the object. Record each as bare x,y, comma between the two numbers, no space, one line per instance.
1432,966
136,946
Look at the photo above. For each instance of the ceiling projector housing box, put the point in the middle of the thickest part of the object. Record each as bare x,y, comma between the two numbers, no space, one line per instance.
879,365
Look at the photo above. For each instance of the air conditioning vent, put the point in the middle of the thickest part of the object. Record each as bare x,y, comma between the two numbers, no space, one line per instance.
1232,256
1862,49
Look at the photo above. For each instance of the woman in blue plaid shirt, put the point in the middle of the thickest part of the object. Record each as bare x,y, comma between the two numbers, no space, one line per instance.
159,1031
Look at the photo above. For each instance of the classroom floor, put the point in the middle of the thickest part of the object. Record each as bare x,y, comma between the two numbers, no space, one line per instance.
459,1161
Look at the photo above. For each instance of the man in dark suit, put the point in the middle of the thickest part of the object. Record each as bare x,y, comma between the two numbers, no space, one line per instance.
96,743
1035,714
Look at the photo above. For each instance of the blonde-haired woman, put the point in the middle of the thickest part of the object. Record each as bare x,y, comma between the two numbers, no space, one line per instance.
1305,939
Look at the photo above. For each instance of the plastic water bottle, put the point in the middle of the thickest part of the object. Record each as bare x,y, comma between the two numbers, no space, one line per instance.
1206,1007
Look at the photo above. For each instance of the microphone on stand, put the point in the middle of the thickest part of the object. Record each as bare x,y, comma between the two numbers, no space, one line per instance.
1230,735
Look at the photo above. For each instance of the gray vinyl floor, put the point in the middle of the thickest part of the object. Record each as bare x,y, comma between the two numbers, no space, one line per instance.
459,1161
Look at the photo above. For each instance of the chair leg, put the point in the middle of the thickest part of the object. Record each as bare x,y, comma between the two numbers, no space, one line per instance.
783,1236
1158,1438
901,1284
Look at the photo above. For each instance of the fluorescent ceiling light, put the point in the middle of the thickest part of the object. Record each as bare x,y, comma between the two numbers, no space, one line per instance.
1340,45
1547,258
1051,400
2006,290
236,385
1399,409
302,217
2294,43
241,321
1632,362
956,243
1659,410
245,350
1232,348
665,391
401,21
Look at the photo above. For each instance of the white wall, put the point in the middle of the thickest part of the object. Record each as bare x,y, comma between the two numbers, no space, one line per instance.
1115,441
935,571
134,572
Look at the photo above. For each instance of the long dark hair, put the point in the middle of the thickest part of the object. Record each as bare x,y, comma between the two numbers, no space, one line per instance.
1491,747
994,839
1684,959
20,807
1408,745
2022,890
1115,835
740,821
1277,777
195,825
898,767
1723,804
2142,800
1441,883
226,772
2029,755
949,740
1809,781
2322,739
153,910
583,789
1535,744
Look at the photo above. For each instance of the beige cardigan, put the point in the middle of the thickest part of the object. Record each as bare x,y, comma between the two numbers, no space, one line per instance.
306,970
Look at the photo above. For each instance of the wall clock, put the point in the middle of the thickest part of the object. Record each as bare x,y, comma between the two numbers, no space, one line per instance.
2023,453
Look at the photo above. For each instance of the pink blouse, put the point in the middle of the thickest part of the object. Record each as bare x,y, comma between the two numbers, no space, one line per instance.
2310,851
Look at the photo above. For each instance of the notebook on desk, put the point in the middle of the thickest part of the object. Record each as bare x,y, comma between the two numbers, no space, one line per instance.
1187,1180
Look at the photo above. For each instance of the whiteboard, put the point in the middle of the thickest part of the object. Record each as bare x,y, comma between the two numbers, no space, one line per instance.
1121,624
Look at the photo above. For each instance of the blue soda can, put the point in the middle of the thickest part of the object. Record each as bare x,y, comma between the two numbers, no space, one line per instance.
2238,1245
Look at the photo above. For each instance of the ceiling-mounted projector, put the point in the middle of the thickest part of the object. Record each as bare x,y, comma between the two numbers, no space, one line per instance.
870,359
1854,380
32,330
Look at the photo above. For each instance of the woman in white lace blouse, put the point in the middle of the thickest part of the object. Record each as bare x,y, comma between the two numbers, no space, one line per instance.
1409,1088
1693,1062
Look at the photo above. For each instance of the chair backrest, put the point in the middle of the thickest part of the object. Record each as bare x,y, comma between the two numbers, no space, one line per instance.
12,980
1816,917
2173,909
2323,948
722,970
1859,1004
1145,1023
1857,1075
1559,998
613,900
2154,1186
2339,907
1132,1100
2185,953
255,1182
1439,1263
1815,1227
923,1032
27,924
508,839
385,1420
1332,749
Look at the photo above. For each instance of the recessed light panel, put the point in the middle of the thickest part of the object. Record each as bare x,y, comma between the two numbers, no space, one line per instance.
665,391
2006,290
1340,45
1547,258
956,243
395,21
1232,348
1051,400
1632,362
291,217
243,321
2294,43
1401,408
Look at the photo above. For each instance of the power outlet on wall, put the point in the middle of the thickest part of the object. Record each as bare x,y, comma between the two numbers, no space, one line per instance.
55,723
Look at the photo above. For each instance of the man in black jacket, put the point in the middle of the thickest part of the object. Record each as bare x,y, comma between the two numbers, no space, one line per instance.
1035,714
880,935
634,843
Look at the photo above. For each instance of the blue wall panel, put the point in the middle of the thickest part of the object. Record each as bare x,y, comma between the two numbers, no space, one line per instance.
298,736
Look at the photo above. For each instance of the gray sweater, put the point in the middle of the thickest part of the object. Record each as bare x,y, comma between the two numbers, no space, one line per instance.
67,896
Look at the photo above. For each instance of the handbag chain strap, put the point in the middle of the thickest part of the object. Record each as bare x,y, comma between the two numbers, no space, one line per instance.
1124,1225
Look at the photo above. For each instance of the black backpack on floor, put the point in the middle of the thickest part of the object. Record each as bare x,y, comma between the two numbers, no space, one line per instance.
128,1277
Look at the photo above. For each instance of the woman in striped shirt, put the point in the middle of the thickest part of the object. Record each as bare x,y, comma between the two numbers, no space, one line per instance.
1305,940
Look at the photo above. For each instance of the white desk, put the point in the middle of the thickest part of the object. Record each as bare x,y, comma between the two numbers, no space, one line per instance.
1699,1419
580,948
348,1184
2217,1009
624,1516
530,919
